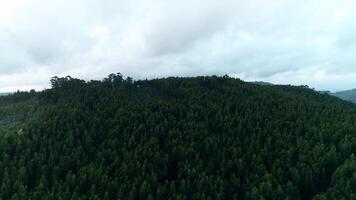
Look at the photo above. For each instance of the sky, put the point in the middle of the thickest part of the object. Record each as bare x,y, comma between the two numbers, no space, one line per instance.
283,42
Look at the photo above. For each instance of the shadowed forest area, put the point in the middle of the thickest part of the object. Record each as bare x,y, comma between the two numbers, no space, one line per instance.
176,138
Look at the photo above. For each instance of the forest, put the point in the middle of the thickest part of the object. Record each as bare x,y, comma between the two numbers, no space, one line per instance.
207,137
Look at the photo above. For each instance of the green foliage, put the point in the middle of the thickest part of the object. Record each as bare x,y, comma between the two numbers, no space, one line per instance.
16,110
178,138
343,184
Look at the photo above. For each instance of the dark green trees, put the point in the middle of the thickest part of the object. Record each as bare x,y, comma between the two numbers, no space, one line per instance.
178,138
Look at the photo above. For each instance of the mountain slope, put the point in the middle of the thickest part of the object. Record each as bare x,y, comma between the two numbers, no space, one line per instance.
15,111
181,138
348,95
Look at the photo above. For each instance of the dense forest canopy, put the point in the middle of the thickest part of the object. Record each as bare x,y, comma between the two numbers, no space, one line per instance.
176,138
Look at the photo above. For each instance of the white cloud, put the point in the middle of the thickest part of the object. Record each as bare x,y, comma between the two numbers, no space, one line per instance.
279,41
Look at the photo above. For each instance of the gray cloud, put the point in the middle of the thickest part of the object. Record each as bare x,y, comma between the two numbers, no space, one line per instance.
279,41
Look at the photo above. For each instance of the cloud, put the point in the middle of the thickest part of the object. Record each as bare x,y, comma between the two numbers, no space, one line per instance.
279,41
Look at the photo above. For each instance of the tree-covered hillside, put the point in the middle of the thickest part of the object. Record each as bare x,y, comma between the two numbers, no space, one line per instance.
177,138
16,110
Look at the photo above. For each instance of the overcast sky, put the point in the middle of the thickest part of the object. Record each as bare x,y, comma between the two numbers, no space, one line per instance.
298,42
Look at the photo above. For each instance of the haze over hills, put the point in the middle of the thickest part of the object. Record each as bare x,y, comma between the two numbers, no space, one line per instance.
179,138
349,95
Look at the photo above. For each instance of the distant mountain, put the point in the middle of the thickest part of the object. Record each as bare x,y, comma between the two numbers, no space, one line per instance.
325,92
4,93
261,83
348,95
